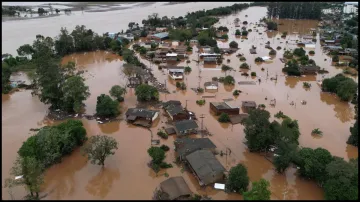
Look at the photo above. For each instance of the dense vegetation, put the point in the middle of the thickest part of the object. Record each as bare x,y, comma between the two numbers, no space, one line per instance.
354,137
51,143
344,87
259,191
146,92
295,10
106,107
238,179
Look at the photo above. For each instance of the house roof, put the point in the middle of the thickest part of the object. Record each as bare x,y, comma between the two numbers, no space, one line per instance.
175,109
171,54
144,113
185,125
309,67
189,145
222,105
210,59
238,118
175,187
161,35
172,102
205,165
175,67
211,83
248,103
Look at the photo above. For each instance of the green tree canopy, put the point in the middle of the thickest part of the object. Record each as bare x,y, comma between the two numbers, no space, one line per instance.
259,191
106,107
157,154
238,179
118,92
99,147
146,92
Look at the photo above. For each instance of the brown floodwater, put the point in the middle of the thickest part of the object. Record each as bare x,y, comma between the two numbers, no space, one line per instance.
126,174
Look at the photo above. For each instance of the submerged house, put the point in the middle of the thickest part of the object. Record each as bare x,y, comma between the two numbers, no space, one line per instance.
211,85
224,107
176,72
177,112
172,102
185,127
186,146
210,60
174,188
206,168
309,69
171,56
142,117
248,104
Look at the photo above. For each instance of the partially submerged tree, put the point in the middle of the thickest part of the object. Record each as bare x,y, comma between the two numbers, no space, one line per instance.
233,44
238,179
106,107
259,191
146,92
99,147
118,92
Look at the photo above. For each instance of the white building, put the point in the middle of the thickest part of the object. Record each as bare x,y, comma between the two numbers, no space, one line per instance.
350,7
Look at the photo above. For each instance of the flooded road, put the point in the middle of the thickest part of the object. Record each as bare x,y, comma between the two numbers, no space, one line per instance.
126,174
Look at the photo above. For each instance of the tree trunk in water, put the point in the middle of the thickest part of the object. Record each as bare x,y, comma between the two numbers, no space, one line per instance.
31,193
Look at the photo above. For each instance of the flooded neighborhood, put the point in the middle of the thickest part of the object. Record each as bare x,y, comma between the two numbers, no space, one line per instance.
180,101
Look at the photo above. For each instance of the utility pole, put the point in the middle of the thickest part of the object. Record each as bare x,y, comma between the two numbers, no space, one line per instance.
186,104
202,116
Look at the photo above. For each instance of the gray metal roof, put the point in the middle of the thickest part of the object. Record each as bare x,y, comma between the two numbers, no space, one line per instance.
248,103
175,109
185,125
205,165
221,105
189,145
144,113
161,35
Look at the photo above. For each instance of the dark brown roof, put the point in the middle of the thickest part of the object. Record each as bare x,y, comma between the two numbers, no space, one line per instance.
205,165
248,103
175,187
309,68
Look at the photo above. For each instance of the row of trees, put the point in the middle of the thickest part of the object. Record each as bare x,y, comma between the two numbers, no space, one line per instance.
331,173
295,10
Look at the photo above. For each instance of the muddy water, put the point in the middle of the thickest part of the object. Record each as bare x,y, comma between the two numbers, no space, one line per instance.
126,175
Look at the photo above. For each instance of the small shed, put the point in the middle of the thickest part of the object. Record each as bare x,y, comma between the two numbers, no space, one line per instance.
174,188
252,51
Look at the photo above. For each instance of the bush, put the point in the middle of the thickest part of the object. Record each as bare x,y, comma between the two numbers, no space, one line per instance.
189,48
272,52
200,102
249,30
229,80
162,134
280,114
165,165
242,58
253,73
221,79
225,37
278,48
316,131
259,59
288,54
244,66
214,79
244,33
224,118
165,147
245,23
236,93
335,58
200,90
299,52
233,44
237,32
311,52
307,85
157,155
187,69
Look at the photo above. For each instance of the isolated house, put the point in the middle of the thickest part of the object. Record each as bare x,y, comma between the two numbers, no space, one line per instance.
211,85
205,167
185,127
309,69
224,107
172,102
252,51
171,56
249,104
174,188
142,117
186,146
177,112
176,72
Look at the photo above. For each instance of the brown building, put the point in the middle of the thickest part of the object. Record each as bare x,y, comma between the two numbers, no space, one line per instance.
177,112
309,69
142,117
224,107
186,146
174,188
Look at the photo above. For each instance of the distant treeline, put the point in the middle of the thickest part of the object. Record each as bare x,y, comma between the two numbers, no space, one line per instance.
296,10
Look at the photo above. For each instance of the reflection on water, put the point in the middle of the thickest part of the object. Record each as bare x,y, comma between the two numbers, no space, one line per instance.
343,110
101,184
